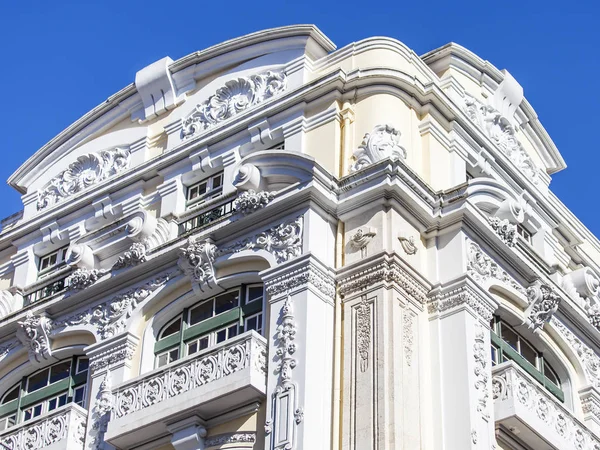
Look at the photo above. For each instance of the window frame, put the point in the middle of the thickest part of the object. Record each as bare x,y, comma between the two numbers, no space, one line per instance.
210,326
61,256
210,192
505,351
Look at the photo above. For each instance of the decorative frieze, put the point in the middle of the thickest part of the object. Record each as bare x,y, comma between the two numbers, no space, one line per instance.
383,142
308,274
123,351
481,355
499,129
505,230
360,240
543,303
34,334
388,271
177,379
250,201
230,438
110,318
463,295
235,97
86,171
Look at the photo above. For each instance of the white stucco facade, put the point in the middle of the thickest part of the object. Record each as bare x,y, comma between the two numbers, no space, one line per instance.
276,244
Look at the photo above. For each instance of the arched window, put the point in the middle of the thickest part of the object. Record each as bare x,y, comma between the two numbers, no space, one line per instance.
45,390
509,345
210,322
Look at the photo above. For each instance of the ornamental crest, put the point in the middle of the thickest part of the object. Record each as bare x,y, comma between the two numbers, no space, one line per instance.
383,142
235,97
196,260
34,333
543,303
86,171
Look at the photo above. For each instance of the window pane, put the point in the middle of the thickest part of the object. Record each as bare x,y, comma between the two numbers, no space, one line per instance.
171,329
52,404
232,331
221,335
62,400
37,410
528,353
494,356
174,355
217,181
192,348
27,414
226,302
551,374
60,371
201,312
82,364
203,343
254,293
37,381
163,359
11,395
510,336
78,396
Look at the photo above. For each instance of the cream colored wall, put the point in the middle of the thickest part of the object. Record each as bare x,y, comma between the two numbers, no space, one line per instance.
324,142
6,281
72,339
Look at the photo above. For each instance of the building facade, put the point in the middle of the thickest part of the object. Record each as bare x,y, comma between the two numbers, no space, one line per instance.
276,244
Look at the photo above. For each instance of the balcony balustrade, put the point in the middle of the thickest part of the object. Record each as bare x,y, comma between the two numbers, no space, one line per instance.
206,217
207,384
526,410
61,429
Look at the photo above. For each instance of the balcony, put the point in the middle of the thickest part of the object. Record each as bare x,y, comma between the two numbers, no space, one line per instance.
534,416
63,428
207,384
207,216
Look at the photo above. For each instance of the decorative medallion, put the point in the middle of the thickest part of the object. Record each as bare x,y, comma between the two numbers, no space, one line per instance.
383,142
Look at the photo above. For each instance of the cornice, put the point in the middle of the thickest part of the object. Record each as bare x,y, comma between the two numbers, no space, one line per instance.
459,293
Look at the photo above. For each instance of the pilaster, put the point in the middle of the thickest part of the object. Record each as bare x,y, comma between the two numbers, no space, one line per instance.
462,409
299,390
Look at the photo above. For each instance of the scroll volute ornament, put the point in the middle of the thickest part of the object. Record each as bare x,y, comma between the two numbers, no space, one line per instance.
247,177
34,334
196,260
543,303
383,142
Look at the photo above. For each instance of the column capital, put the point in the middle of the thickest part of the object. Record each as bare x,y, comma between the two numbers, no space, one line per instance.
460,293
304,272
114,352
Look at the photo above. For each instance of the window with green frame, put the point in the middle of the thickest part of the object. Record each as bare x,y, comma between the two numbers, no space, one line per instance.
210,322
509,345
44,391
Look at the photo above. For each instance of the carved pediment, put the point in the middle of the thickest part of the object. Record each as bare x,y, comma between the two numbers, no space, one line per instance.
85,171
383,142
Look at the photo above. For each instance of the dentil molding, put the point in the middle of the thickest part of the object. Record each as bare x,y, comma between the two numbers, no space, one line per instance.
86,171
383,142
235,97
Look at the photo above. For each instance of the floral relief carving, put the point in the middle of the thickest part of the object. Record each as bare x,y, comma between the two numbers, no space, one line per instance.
134,256
408,335
363,332
499,129
196,260
86,171
505,230
101,412
360,240
250,201
84,278
34,334
481,355
110,318
235,97
383,142
543,303
482,268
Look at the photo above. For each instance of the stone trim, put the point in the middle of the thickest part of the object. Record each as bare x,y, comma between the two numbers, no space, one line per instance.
308,274
231,438
466,294
116,350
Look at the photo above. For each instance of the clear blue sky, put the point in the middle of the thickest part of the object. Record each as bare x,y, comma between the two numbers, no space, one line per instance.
62,58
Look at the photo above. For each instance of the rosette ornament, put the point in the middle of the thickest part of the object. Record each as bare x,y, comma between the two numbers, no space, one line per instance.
235,97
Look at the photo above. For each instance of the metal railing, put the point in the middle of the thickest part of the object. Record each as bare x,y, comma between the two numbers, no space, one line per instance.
207,217
52,288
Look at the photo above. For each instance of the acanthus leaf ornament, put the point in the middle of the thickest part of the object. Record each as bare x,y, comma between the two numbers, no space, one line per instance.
543,303
499,129
196,260
235,97
360,240
86,171
480,354
383,142
34,334
505,230
250,201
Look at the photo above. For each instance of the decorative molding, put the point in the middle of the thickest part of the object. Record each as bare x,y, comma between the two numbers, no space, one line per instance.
363,332
408,243
7,303
86,171
590,403
110,318
177,379
286,334
6,347
543,303
132,257
408,335
505,230
483,268
481,355
360,240
101,412
84,278
388,271
500,131
383,142
34,334
230,438
250,201
307,274
197,261
440,302
235,97
123,351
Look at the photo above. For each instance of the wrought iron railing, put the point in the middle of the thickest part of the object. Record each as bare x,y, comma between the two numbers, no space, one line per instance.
207,217
52,288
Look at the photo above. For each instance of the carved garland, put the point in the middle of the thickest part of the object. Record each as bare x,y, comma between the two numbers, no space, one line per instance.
250,201
86,171
235,97
481,355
